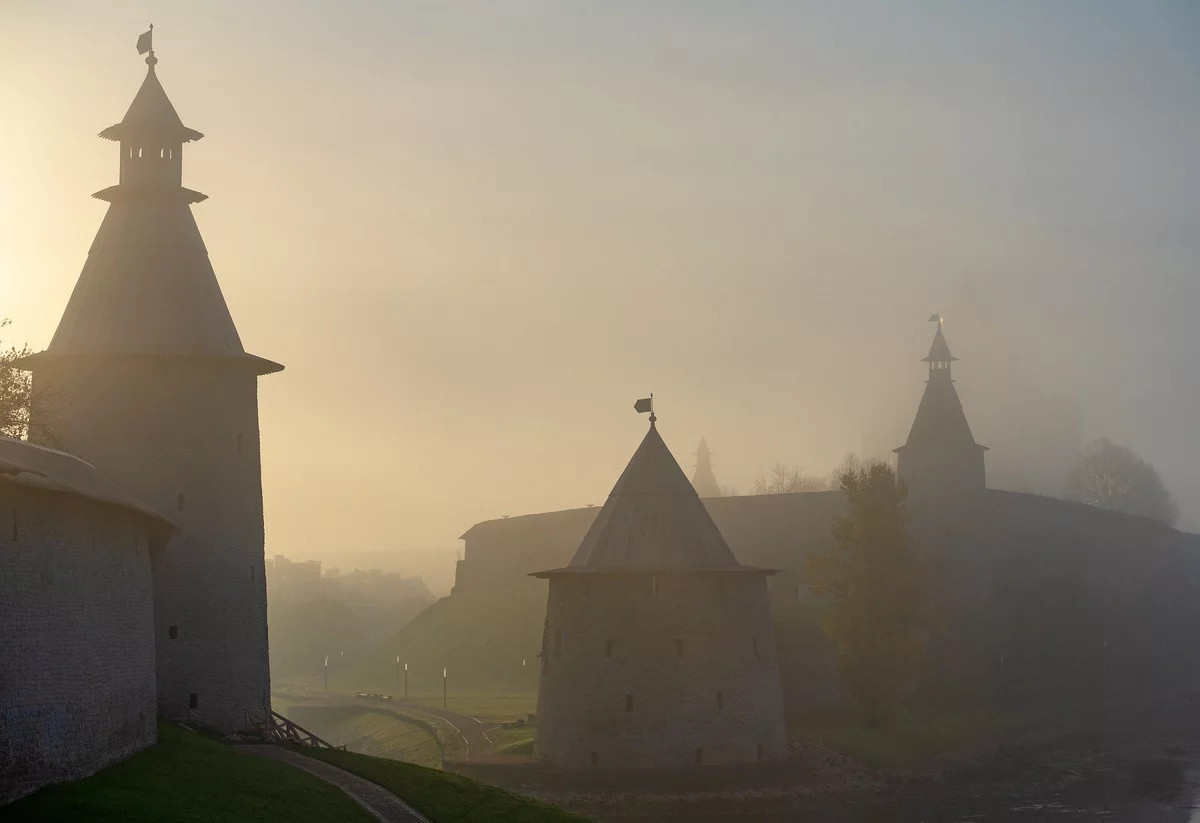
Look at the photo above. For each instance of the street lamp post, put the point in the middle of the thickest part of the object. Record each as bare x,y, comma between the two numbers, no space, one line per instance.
443,688
397,672
326,674
406,680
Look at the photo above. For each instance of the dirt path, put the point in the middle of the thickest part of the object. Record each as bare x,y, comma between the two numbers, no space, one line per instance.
384,805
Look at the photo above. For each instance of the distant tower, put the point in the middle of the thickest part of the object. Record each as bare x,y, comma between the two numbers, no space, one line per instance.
703,480
658,649
146,378
941,462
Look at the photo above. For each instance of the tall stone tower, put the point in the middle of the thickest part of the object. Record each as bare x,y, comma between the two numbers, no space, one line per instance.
941,463
146,379
658,649
703,479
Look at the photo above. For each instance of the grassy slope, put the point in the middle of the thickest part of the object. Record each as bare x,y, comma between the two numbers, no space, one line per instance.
190,777
480,638
444,797
372,732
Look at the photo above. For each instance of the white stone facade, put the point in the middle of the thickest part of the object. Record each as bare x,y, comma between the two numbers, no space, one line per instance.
664,670
77,639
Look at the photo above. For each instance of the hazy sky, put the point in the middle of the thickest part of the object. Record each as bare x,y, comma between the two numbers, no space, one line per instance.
476,232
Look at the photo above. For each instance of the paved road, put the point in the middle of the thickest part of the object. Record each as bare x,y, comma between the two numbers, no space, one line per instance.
384,805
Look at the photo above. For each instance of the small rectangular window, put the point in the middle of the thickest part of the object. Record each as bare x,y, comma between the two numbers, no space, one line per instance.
699,756
629,702
720,701
173,632
194,701
607,649
653,586
679,648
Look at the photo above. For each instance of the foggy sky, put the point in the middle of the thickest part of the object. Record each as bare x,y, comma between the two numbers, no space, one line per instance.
475,233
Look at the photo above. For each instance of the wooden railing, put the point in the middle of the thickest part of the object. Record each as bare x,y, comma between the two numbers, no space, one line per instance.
278,729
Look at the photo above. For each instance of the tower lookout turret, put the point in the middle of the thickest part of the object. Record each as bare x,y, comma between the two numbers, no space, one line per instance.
941,463
146,379
658,649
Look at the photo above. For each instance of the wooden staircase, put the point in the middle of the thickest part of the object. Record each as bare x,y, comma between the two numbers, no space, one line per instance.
273,727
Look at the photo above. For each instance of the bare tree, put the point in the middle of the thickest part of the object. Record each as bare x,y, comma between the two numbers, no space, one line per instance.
1111,476
782,479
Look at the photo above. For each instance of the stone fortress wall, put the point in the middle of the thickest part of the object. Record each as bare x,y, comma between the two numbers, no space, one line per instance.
77,640
182,433
1046,599
659,672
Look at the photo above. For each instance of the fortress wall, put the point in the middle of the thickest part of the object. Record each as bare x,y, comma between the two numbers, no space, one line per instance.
673,649
182,434
77,683
1043,600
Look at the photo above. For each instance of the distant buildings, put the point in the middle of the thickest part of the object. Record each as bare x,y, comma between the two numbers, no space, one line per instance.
703,480
658,649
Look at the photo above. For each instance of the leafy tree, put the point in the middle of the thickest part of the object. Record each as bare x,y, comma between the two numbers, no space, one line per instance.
877,586
1111,476
15,389
781,479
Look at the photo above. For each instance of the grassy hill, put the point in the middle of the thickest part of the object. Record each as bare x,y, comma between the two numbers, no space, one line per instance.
191,777
188,776
480,638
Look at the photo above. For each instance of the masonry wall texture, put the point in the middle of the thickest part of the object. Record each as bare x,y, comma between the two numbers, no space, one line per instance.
77,639
182,434
1045,600
694,656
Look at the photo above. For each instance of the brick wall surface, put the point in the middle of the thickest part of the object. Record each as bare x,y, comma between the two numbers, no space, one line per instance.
182,434
77,682
676,643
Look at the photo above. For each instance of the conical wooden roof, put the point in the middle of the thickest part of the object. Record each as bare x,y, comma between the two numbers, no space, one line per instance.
151,115
653,520
939,351
148,287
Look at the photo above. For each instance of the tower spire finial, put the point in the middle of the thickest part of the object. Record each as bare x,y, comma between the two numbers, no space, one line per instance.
145,44
646,404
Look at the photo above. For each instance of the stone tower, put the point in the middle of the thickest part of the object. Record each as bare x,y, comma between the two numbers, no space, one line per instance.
146,379
703,479
941,462
658,649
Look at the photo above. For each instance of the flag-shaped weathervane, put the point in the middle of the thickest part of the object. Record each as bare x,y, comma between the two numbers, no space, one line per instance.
646,404
146,41
936,318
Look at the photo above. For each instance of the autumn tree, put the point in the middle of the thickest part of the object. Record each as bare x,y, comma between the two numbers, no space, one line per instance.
1111,476
877,588
783,479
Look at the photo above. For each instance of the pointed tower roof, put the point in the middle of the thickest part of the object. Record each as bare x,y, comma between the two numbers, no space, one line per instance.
703,479
151,114
148,287
653,521
940,421
939,351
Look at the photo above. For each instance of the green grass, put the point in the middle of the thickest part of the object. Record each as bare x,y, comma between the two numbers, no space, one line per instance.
487,708
517,740
372,731
445,797
918,735
190,777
